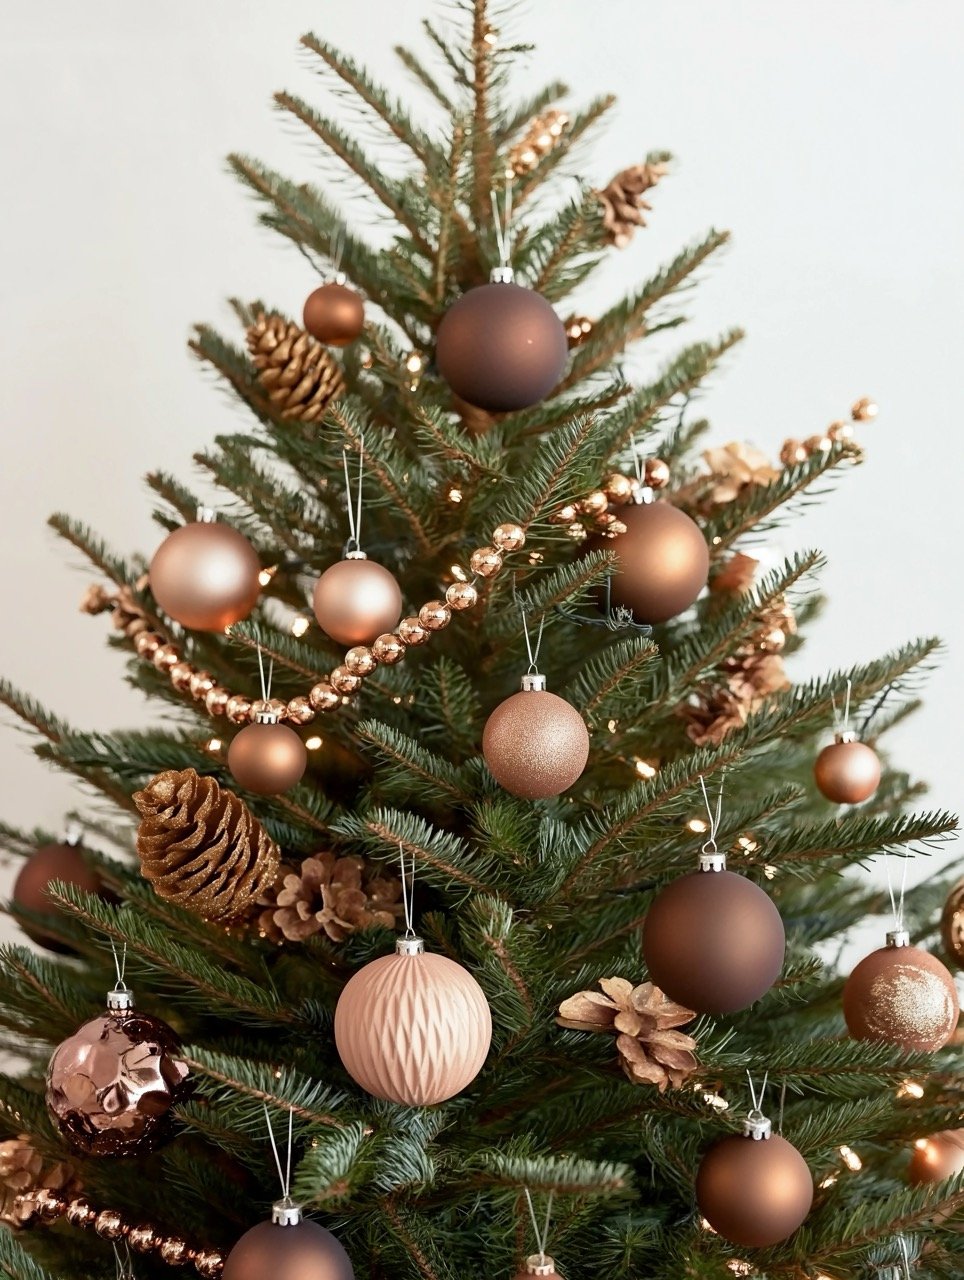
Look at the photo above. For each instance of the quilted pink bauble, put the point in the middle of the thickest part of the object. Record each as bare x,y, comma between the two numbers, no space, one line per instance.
413,1027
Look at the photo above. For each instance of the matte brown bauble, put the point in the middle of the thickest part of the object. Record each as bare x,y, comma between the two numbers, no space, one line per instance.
663,561
205,576
334,314
303,1251
267,758
901,995
356,600
754,1192
713,941
535,743
938,1157
501,347
48,863
847,771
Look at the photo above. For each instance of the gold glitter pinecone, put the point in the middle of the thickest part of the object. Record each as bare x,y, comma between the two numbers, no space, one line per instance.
201,846
623,206
22,1170
541,138
336,895
298,375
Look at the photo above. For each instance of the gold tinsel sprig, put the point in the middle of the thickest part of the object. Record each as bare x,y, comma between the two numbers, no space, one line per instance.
333,895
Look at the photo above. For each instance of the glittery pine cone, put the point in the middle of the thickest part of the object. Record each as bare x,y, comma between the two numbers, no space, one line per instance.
298,375
643,1019
623,206
22,1171
337,896
541,138
201,847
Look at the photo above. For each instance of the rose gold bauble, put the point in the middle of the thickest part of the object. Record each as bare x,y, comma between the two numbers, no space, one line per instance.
267,757
334,314
901,995
356,600
754,1192
48,863
535,743
847,771
713,941
938,1157
663,561
302,1251
413,1027
205,576
501,347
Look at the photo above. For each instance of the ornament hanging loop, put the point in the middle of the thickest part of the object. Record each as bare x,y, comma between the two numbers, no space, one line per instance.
710,857
757,1126
539,1263
120,998
843,732
502,221
532,650
352,549
642,492
409,944
284,1212
266,683
899,936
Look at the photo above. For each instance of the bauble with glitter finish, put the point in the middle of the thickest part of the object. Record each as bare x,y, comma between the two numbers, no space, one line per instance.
535,743
334,313
356,600
64,861
267,757
901,995
938,1157
501,347
413,1027
205,575
289,1247
755,1192
847,771
713,941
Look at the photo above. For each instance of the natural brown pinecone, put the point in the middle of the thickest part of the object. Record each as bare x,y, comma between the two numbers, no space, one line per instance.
298,375
732,470
643,1018
624,208
22,1170
201,847
337,895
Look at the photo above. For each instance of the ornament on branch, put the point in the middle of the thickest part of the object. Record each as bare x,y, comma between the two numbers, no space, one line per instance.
578,330
952,924
623,205
938,1157
540,1263
267,757
539,140
848,770
205,575
331,895
298,376
63,861
23,1173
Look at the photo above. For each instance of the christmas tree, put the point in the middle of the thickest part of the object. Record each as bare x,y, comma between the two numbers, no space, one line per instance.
515,971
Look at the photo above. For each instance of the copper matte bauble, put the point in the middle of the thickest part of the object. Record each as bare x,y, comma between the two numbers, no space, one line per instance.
356,600
754,1192
938,1157
535,743
901,995
847,771
663,561
713,941
205,576
334,314
501,347
413,1027
267,758
303,1251
48,863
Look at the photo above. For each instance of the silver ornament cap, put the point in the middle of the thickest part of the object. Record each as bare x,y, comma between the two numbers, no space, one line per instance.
844,736
120,999
501,275
898,938
533,682
712,860
206,515
286,1213
409,946
540,1264
757,1127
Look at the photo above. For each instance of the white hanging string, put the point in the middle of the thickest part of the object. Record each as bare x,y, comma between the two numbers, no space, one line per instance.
897,903
714,815
337,246
120,964
354,509
755,1098
639,462
502,222
408,891
542,1237
284,1177
532,651
265,684
844,724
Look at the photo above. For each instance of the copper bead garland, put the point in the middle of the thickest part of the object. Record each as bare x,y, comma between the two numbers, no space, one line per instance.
205,575
535,743
901,995
356,600
290,1247
847,771
334,313
64,861
267,757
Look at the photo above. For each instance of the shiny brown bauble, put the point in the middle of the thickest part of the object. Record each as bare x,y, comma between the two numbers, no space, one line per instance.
334,314
48,863
501,347
267,758
356,601
713,941
754,1192
952,924
847,772
536,744
902,996
663,561
938,1157
205,576
305,1251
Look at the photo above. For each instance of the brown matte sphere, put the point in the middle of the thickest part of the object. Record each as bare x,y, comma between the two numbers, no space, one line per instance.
334,314
267,758
847,772
536,744
904,996
663,561
356,601
755,1193
51,862
302,1252
713,941
205,576
938,1157
501,347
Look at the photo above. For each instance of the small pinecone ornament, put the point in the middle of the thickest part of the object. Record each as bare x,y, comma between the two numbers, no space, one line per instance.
22,1171
201,847
296,372
623,206
337,896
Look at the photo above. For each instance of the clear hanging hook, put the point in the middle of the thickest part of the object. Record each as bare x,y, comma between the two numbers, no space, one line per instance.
120,964
842,725
502,222
337,248
713,814
897,901
124,1262
284,1175
265,683
354,508
532,650
542,1237
408,891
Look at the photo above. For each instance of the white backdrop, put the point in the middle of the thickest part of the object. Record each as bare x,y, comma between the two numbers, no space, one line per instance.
826,135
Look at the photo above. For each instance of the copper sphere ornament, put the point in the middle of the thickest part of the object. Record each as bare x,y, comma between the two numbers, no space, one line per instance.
267,757
289,1247
64,861
334,313
901,995
938,1157
413,1027
112,1084
205,575
535,743
952,924
847,771
356,600
501,347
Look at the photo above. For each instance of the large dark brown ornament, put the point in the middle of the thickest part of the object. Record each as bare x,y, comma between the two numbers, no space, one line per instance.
205,575
901,995
48,863
847,771
535,743
334,313
289,1247
267,757
938,1157
357,600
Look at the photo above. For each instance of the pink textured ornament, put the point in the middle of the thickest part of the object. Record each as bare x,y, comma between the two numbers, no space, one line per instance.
414,1027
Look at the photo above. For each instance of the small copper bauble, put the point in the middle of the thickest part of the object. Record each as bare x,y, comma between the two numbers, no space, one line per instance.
509,537
205,575
461,595
388,648
174,1251
216,701
841,432
356,600
818,444
323,696
209,1265
411,632
360,660
238,709
142,1239
656,473
52,1204
299,710
180,676
201,684
619,489
110,1224
51,862
952,924
938,1157
334,314
486,561
435,615
535,743
755,1192
864,409
847,771
344,681
81,1214
594,504
267,757
165,657
268,707
901,995
299,1250
147,644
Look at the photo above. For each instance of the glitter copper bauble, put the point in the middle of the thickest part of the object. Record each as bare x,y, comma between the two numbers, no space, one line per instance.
289,1247
952,924
901,995
713,941
847,771
334,314
663,561
267,757
535,743
48,863
356,600
205,575
754,1191
501,347
413,1027
938,1157
112,1084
